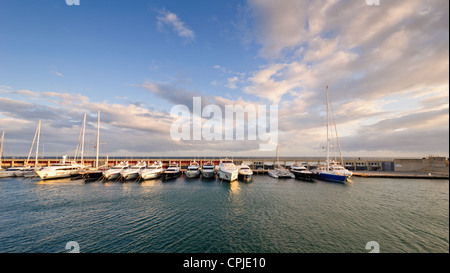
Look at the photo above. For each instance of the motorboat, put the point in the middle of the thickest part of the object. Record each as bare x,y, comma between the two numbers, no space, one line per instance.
153,171
10,172
114,172
208,170
193,170
245,173
172,172
133,171
280,172
60,170
25,171
228,171
300,172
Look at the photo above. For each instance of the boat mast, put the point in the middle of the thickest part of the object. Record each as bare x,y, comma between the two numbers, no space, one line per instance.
1,149
336,132
328,139
82,140
98,138
37,144
32,144
278,159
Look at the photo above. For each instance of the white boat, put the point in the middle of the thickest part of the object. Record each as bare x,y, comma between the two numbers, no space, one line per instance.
300,172
10,172
280,172
114,172
245,173
332,171
172,172
133,172
193,170
25,171
28,171
227,170
208,170
59,170
153,171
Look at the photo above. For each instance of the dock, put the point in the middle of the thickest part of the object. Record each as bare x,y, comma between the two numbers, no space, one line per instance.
406,175
420,168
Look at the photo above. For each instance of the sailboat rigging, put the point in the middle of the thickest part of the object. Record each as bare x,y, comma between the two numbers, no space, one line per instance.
333,171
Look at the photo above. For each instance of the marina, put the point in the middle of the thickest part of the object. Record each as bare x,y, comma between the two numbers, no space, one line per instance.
433,167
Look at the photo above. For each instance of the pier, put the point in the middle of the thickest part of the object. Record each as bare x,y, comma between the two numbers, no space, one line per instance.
431,167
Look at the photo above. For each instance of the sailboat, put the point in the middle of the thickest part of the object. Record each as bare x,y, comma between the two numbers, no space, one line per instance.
332,171
4,173
63,169
94,174
28,171
280,172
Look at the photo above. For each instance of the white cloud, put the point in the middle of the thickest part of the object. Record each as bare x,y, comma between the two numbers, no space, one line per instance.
170,19
57,74
399,49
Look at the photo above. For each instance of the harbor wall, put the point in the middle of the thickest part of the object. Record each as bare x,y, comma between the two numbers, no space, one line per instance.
430,164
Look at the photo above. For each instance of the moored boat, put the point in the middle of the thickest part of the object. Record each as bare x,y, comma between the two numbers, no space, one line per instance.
300,172
228,171
172,172
245,173
208,171
133,171
114,172
280,173
153,171
60,170
193,170
332,171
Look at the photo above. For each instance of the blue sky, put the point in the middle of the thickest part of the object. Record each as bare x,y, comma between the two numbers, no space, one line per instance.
386,65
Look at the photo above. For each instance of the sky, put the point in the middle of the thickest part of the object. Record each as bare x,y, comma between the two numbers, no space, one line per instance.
386,66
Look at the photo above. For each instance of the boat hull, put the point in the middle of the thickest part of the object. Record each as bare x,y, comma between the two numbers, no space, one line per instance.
92,176
7,174
56,175
302,175
192,174
171,175
147,176
208,174
112,176
331,177
130,176
228,176
245,177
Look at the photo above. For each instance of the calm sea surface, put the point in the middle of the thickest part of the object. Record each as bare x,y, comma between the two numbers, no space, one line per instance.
187,216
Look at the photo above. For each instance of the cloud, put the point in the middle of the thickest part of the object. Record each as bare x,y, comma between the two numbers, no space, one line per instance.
57,74
170,19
